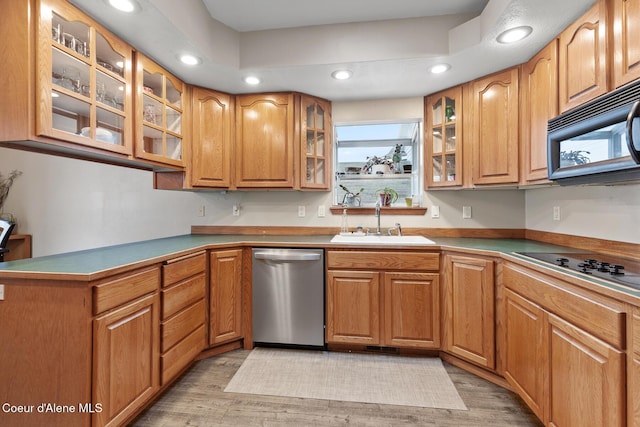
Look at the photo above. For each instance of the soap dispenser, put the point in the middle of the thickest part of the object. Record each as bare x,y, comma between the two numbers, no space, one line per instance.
344,227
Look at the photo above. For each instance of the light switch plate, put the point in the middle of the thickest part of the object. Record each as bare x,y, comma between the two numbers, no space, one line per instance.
466,212
301,211
321,211
435,211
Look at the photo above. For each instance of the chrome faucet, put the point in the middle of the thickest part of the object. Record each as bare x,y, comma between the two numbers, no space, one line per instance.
397,229
378,216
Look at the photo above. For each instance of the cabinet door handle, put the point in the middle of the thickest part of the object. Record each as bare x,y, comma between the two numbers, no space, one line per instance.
303,256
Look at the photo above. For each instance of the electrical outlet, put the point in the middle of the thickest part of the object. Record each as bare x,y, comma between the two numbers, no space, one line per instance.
321,211
201,211
466,212
235,210
435,211
556,213
301,211
1,292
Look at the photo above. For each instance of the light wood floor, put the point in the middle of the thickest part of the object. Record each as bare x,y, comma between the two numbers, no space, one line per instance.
198,399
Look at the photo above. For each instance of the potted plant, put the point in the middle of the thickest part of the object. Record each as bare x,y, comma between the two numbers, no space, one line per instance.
5,185
377,164
572,158
387,196
350,198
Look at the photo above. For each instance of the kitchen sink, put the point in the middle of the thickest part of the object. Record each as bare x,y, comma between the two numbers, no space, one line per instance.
381,239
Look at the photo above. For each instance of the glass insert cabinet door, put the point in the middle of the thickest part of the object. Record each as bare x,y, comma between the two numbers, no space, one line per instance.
159,110
84,85
316,143
443,146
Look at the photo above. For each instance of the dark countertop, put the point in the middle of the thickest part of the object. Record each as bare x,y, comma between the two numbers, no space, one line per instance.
102,262
88,262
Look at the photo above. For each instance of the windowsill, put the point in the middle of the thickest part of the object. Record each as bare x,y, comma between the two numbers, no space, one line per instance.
393,210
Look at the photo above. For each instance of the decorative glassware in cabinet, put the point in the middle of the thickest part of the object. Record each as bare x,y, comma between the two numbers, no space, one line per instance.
314,156
442,143
89,89
161,113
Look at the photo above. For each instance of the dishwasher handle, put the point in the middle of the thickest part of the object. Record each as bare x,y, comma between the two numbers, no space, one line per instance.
293,256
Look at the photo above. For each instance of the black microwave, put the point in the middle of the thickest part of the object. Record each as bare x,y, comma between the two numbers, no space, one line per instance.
597,142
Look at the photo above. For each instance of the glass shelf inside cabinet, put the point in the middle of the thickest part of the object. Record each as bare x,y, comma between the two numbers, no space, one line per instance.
71,74
174,120
173,96
152,111
315,145
109,127
437,169
153,140
69,114
70,36
315,171
107,59
450,137
153,84
174,147
450,167
436,113
109,91
311,142
437,140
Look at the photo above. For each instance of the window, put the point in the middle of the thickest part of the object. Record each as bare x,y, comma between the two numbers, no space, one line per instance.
372,156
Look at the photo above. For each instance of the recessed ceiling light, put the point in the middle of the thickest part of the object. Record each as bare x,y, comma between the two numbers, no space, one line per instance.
189,59
124,5
440,68
341,74
252,80
514,34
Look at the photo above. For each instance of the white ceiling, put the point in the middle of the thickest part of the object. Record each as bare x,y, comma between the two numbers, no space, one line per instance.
254,15
296,44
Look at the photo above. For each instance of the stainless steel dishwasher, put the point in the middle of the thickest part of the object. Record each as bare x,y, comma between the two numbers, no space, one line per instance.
288,296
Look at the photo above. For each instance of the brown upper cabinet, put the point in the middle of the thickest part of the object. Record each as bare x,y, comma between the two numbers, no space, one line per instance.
582,58
539,103
315,143
272,131
160,99
265,141
493,128
79,77
443,138
212,143
626,41
255,141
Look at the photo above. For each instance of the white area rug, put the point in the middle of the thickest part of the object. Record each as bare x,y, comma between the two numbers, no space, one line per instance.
368,378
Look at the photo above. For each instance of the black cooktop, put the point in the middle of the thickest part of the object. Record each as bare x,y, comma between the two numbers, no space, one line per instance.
614,269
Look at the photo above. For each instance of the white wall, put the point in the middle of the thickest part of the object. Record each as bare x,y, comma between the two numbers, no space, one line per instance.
69,204
605,212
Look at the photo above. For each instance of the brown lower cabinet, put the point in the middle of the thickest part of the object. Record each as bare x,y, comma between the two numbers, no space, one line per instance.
468,309
183,329
383,299
225,296
108,346
125,372
564,350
